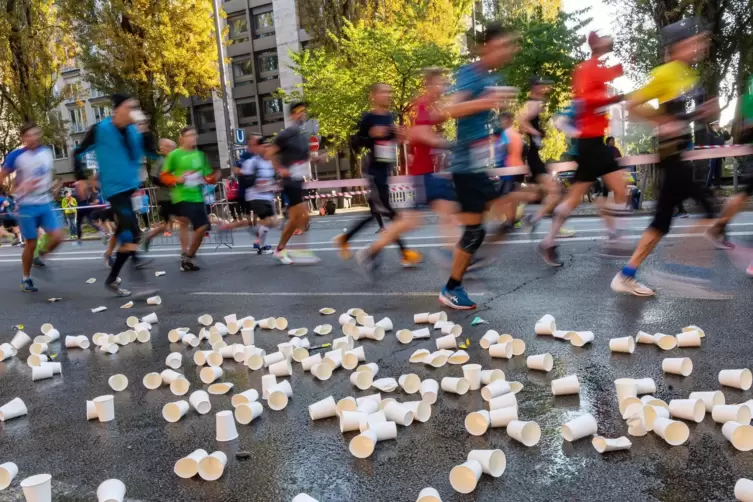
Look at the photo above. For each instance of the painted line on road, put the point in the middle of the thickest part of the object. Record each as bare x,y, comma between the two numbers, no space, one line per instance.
323,293
417,246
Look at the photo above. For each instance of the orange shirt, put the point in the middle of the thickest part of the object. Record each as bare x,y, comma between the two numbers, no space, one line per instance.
590,93
514,149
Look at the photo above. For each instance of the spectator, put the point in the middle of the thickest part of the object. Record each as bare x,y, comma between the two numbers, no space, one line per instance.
613,148
70,205
716,137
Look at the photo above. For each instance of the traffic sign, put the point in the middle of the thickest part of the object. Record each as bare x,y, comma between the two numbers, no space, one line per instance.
240,136
313,144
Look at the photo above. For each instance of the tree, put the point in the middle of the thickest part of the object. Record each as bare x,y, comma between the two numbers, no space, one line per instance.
156,51
34,45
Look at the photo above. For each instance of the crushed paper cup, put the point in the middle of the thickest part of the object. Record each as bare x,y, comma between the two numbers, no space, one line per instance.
91,280
724,413
477,422
98,309
327,311
489,376
355,311
118,383
694,328
385,384
159,273
565,386
419,356
212,466
528,433
464,477
429,390
323,329
540,362
710,398
738,379
13,409
682,366
689,339
220,389
298,332
581,338
673,432
740,435
563,334
489,339
665,342
459,357
188,467
604,445
455,385
625,344
584,425
545,325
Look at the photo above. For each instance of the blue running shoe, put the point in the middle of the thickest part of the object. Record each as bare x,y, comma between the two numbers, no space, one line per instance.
456,298
27,286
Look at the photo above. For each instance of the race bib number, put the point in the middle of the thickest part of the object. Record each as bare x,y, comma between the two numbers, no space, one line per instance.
299,170
137,201
480,154
193,179
385,151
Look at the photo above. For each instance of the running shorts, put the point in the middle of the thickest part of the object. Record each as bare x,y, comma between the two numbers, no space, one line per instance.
262,209
594,160
293,190
166,209
474,191
31,217
9,222
194,212
677,185
535,164
431,187
127,228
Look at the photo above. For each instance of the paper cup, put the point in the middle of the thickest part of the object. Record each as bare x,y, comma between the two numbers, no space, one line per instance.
739,379
37,488
422,318
540,362
322,371
688,339
665,342
175,359
448,342
105,406
682,366
210,374
645,385
494,389
333,359
490,338
175,335
477,422
645,338
325,408
404,336
212,466
267,382
282,368
310,361
151,318
398,413
410,383
205,320
455,385
501,350
255,359
724,413
625,344
362,446
38,348
429,390
740,435
385,384
493,462
278,395
528,433
118,383
452,329
581,338
199,401
385,324
694,328
225,425
245,413
152,381
503,401
744,490
188,467
41,372
710,398
489,376
464,477
20,340
327,311
345,319
583,426
350,420
428,494
352,357
421,410
8,471
565,386
172,412
672,431
603,445
472,373
419,356
180,386
501,417
545,325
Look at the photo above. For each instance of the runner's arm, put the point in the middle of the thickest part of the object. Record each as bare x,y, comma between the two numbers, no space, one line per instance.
425,135
86,144
166,175
458,107
529,111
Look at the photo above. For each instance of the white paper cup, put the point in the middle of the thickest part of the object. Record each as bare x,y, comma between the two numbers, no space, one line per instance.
310,361
565,386
581,338
419,356
325,408
154,300
385,384
91,410
385,324
682,366
645,385
199,401
709,398
576,429
501,350
172,412
404,336
694,328
398,413
105,406
494,389
175,335
453,385
528,433
501,417
152,381
428,494
472,373
448,342
175,359
490,338
352,357
255,360
724,413
361,379
493,462
38,348
281,368
188,467
365,320
41,372
744,490
603,445
371,419
740,435
464,477
205,320
180,386
452,329
540,362
218,329
345,319
8,471
245,413
477,422
210,374
322,371
34,361
362,446
625,344
333,359
278,395
429,390
422,318
489,376
118,382
503,401
739,379
151,318
672,431
225,426
645,338
688,339
20,340
350,420
545,325
37,488
421,410
409,382
212,466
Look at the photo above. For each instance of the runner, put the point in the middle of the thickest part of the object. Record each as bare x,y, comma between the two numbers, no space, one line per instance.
86,214
673,85
378,135
430,190
120,148
162,195
186,170
594,158
33,187
472,104
10,223
289,155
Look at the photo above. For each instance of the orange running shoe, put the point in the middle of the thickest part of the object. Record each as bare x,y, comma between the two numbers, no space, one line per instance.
411,258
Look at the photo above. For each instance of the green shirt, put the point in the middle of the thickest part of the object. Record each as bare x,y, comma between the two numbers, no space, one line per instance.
193,166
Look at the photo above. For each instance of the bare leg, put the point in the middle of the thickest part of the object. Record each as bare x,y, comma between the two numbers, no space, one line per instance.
646,245
184,236
27,257
404,222
563,210
297,218
553,194
196,239
734,205
461,258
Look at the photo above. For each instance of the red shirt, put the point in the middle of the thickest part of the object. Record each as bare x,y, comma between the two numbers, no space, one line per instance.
423,160
590,93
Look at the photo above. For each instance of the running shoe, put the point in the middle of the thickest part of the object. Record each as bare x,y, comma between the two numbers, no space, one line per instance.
298,231
38,262
256,246
265,250
565,233
456,299
550,255
16,242
282,256
366,264
304,257
188,265
625,284
529,223
718,238
411,258
27,286
114,286
343,248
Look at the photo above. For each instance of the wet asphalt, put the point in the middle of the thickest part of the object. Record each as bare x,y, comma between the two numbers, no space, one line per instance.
290,454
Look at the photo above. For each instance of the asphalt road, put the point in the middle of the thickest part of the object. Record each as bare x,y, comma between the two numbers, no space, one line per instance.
291,454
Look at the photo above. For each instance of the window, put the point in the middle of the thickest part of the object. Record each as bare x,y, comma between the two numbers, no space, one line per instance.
272,108
189,117
264,24
101,112
77,117
243,70
247,114
60,151
205,118
267,64
238,28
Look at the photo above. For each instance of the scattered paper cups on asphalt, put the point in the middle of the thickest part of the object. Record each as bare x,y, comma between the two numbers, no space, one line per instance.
709,398
540,362
673,432
545,325
225,425
477,422
576,429
740,435
565,386
604,445
37,488
429,390
199,401
625,344
245,413
212,466
105,406
187,467
118,382
682,366
464,477
739,379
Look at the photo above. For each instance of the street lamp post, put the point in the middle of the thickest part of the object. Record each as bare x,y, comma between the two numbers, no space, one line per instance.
223,82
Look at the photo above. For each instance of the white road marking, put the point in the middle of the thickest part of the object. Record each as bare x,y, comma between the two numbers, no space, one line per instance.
330,293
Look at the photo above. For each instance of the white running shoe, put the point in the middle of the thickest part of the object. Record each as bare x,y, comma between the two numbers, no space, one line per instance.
282,257
624,284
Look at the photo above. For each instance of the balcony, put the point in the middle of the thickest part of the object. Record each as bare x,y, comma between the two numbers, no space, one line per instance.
96,94
76,128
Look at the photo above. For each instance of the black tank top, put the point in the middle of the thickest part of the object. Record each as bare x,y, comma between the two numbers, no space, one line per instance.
536,123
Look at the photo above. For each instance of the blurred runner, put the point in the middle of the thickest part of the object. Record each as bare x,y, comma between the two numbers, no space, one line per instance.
162,195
